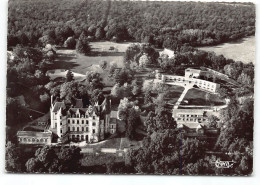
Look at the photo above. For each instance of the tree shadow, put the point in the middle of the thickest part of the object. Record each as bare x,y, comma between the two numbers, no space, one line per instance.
64,62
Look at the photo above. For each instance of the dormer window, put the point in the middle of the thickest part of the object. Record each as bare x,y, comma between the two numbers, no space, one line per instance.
93,117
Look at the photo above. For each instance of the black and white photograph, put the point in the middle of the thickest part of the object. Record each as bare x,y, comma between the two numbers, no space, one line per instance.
130,88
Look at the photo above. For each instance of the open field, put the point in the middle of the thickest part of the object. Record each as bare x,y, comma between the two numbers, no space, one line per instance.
69,59
80,64
198,97
174,93
105,46
242,50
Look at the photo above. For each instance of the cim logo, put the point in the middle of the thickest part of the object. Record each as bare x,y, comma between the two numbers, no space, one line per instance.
224,164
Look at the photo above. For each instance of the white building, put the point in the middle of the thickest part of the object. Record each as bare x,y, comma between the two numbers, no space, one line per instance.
78,123
34,137
191,78
167,52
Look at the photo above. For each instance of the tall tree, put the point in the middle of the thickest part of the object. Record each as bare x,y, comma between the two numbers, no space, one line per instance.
12,158
69,76
83,44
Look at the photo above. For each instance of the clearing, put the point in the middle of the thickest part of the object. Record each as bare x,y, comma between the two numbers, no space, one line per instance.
242,50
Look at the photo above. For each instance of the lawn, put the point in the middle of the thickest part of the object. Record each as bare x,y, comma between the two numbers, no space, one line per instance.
69,59
105,46
78,63
198,97
174,93
110,143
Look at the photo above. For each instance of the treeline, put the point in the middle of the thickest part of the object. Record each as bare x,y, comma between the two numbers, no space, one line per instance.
160,23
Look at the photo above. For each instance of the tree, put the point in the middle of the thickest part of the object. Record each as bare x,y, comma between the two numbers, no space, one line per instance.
116,91
12,158
44,98
69,76
70,90
94,81
148,97
83,45
65,160
144,61
133,121
124,76
100,33
135,88
97,96
70,43
103,64
244,79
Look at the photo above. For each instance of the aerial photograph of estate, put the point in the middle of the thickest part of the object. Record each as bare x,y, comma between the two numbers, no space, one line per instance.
130,87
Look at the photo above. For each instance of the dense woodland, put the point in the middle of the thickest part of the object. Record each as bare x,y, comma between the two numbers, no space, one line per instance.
163,24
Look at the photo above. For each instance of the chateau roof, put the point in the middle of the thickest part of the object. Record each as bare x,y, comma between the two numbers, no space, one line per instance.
57,106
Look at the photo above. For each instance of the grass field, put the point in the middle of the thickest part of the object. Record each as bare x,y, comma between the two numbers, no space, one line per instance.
175,93
242,50
198,97
69,59
78,63
104,46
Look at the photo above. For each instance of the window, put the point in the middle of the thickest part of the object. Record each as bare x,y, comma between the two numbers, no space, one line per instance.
86,129
73,128
77,121
78,129
77,115
68,121
93,117
93,131
69,129
73,121
82,129
45,140
60,123
82,121
60,130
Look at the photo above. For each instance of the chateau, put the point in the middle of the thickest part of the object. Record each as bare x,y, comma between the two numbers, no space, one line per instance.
73,122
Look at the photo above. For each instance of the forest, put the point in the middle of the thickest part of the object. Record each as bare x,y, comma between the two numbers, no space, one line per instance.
164,24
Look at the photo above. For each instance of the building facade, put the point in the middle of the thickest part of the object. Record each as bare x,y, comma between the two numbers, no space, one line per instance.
191,119
33,137
78,123
191,78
